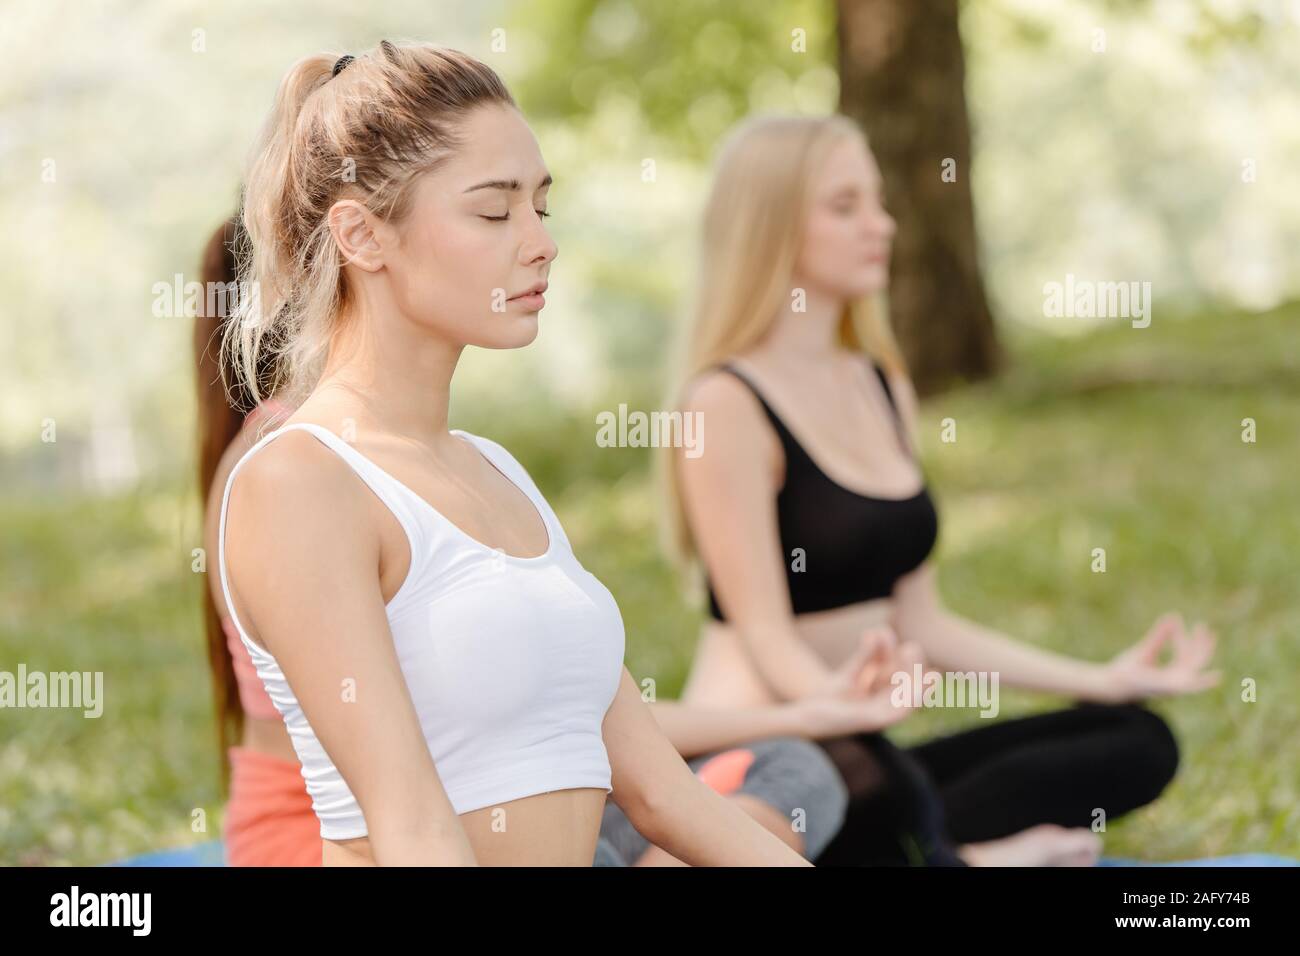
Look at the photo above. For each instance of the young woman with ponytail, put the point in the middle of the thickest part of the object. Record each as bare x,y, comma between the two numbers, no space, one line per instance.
767,767
448,674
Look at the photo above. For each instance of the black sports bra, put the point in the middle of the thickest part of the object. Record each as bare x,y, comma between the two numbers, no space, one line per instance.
851,547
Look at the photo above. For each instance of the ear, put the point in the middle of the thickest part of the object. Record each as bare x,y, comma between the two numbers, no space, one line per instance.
356,232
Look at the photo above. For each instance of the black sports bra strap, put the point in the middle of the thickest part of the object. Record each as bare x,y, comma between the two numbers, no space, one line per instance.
772,416
788,439
884,382
898,417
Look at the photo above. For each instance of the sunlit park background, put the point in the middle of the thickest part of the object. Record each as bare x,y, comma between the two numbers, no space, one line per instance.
1153,141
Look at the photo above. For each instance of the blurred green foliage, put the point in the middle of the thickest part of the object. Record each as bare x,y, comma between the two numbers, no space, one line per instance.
692,69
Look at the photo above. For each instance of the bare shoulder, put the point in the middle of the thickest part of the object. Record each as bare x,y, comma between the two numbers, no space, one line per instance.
296,460
298,527
720,392
291,485
742,447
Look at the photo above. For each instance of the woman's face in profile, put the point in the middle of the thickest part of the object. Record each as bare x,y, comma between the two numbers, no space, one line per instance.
475,238
847,240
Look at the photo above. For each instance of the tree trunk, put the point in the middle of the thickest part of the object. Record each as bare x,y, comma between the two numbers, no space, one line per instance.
902,77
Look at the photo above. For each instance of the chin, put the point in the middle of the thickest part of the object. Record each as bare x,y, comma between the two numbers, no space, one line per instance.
514,332
875,282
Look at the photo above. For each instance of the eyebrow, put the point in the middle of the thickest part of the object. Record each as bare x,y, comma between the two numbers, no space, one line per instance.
852,189
511,185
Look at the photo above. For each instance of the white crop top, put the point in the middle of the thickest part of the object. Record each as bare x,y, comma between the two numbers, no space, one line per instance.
511,662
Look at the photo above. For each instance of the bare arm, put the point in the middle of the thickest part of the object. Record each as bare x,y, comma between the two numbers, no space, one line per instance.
302,558
953,642
669,805
729,493
696,730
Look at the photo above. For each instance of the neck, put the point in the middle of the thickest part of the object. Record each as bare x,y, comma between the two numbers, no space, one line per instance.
389,374
812,334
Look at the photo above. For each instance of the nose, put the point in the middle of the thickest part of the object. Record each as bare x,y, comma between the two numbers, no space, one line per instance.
537,246
882,223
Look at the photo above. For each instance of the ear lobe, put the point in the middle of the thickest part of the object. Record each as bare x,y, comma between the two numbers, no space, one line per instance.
354,230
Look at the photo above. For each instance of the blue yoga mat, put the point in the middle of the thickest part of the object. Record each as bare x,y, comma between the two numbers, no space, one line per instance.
201,854
1242,859
212,854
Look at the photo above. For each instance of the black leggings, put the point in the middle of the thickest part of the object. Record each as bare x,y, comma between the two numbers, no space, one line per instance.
915,806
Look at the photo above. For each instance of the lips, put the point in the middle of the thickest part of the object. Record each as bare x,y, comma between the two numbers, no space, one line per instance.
537,289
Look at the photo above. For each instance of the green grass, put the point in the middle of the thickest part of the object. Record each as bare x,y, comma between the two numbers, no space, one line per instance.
1127,439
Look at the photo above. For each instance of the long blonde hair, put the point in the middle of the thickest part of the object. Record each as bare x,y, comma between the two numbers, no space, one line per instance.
754,223
366,131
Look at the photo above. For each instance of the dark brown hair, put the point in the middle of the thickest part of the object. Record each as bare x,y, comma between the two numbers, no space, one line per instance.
221,409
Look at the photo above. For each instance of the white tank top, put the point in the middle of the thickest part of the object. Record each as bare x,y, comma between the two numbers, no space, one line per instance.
511,662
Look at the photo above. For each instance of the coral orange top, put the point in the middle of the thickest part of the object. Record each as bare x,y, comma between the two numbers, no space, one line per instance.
252,693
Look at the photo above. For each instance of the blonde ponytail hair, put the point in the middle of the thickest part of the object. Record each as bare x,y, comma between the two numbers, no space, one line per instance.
365,132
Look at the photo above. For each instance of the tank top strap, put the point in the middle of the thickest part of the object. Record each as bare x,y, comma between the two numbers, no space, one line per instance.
788,441
500,458
389,491
884,383
253,698
893,405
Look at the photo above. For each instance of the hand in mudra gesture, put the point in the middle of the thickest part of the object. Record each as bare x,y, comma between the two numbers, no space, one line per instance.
1141,672
857,698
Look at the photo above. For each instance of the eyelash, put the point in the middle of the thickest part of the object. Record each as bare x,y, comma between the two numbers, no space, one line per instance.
541,212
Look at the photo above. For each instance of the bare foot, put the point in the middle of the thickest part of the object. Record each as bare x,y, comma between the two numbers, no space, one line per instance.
1043,845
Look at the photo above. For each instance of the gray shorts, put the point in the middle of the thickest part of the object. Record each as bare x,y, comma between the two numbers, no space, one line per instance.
791,774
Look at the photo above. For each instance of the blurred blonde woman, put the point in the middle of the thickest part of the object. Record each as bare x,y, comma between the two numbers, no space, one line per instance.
809,514
448,673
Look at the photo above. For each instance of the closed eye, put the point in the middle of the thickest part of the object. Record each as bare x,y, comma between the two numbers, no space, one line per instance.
541,212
